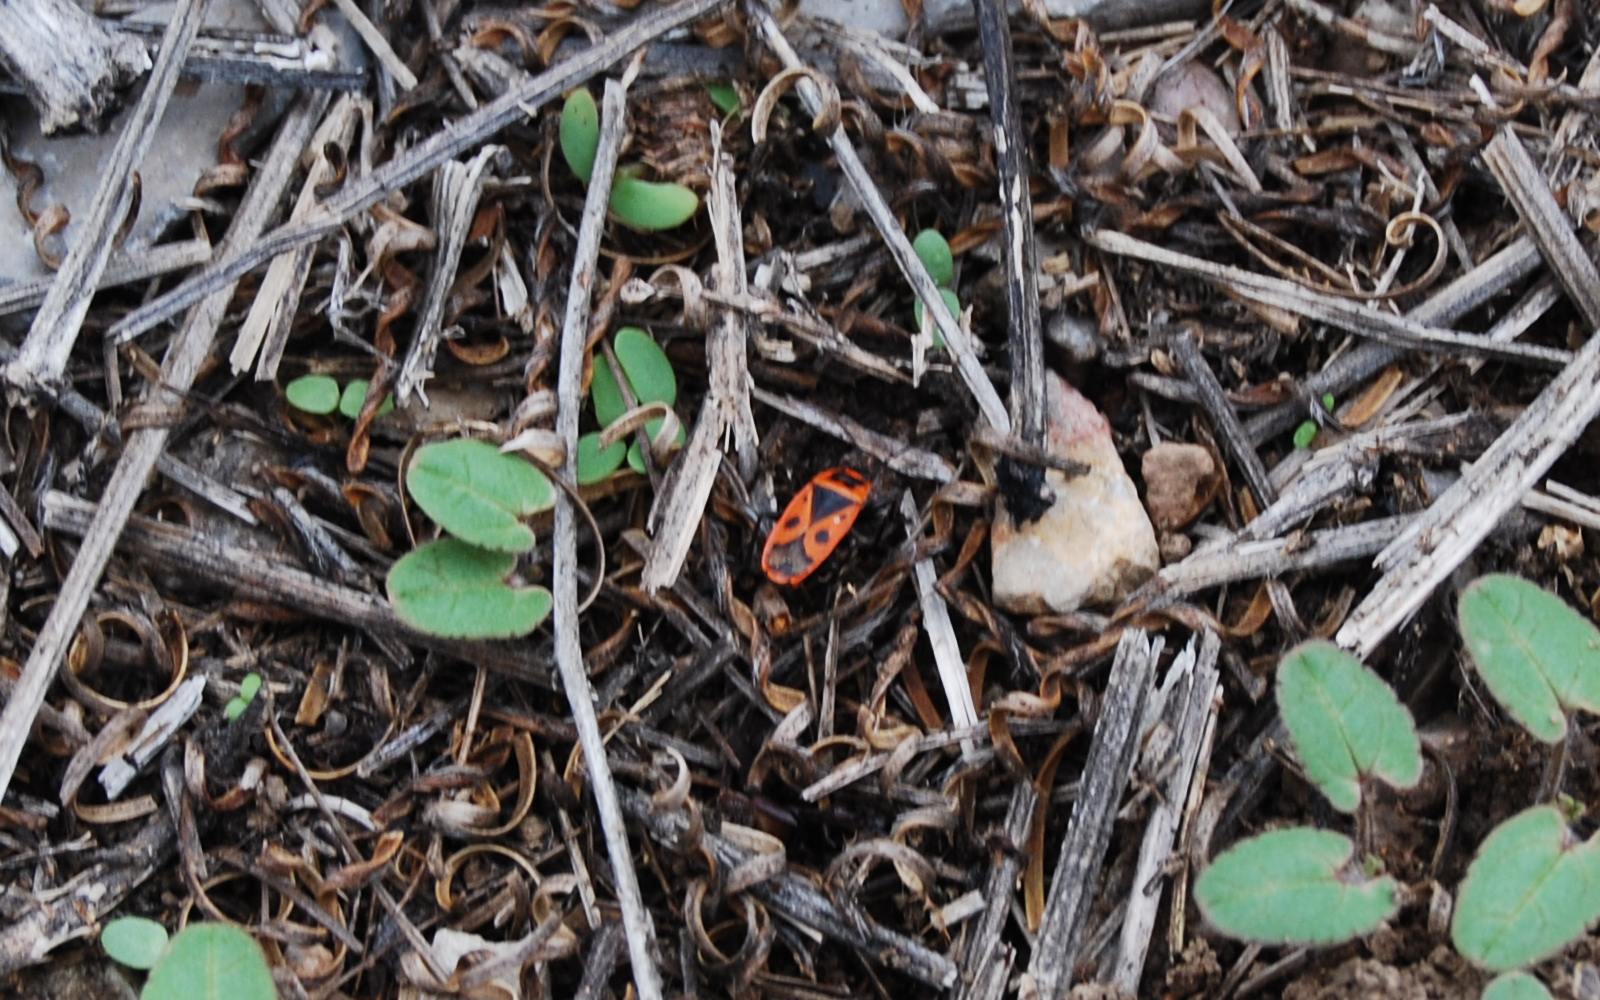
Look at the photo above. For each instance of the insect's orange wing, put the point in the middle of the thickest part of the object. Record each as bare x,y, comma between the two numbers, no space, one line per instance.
813,524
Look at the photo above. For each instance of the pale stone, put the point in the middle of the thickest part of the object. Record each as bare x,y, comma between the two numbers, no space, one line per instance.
1179,480
1095,543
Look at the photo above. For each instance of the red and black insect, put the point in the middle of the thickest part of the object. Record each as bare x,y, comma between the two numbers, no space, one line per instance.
814,524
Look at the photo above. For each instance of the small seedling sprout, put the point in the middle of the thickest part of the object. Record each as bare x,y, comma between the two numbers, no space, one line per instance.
248,689
204,962
640,204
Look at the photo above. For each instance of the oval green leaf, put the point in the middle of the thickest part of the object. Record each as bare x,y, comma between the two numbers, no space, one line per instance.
596,463
250,686
650,207
645,363
478,493
234,708
725,97
1346,723
1305,434
1516,986
211,962
136,942
459,591
580,132
934,252
355,395
1293,887
313,394
1529,891
609,405
651,427
1539,657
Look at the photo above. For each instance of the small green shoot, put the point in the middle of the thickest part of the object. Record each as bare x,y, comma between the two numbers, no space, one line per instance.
478,493
318,394
1515,986
1528,892
1293,887
596,463
580,132
651,429
1346,723
724,96
646,366
1539,657
951,302
1305,434
934,252
136,942
640,204
355,396
651,207
248,688
211,962
459,591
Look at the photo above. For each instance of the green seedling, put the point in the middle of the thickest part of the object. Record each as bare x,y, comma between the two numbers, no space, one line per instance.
580,132
1516,986
1530,890
934,252
355,396
650,378
640,204
1533,886
1293,886
136,942
478,493
1307,432
596,463
248,688
1346,723
1539,657
317,394
204,962
459,591
725,97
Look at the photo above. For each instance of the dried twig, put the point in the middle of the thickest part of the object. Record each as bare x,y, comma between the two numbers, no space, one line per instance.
1223,419
564,573
1105,775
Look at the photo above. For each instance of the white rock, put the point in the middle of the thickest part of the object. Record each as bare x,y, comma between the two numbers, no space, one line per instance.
1095,544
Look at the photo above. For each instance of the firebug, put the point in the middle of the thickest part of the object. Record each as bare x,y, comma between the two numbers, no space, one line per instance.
814,524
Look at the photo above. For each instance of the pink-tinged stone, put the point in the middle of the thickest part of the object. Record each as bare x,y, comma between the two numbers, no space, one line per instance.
1095,543
1179,481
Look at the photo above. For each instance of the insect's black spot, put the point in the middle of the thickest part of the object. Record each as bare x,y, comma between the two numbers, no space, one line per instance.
823,536
826,503
792,523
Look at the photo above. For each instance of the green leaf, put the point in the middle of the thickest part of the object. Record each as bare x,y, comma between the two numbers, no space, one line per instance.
355,396
211,962
580,132
136,942
1305,434
1540,658
636,454
646,365
651,207
725,97
951,302
313,394
250,686
934,252
1516,986
459,591
478,493
1346,723
234,708
1529,891
594,463
609,405
1293,887
1328,401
